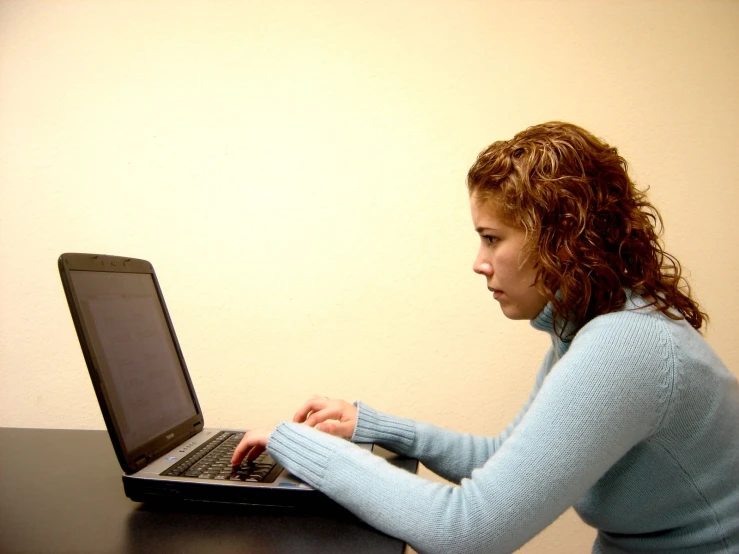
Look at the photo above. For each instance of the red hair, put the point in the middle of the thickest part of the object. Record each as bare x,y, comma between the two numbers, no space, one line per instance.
592,233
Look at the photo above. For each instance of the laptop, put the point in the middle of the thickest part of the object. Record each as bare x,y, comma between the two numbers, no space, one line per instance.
148,400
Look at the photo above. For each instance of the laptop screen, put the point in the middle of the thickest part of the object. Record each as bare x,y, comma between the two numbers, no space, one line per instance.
140,368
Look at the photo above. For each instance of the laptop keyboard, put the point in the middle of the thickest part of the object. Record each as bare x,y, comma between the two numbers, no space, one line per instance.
213,461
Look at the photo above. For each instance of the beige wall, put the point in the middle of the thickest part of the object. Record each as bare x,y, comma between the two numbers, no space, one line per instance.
295,171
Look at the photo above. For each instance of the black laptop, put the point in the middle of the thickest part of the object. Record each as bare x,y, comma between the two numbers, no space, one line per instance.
148,400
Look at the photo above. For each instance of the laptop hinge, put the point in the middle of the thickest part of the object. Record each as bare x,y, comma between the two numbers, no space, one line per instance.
140,462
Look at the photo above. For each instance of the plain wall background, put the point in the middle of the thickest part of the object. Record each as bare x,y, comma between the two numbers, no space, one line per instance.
295,172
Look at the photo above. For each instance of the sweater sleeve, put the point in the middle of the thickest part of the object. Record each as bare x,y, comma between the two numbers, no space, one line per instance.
449,454
610,391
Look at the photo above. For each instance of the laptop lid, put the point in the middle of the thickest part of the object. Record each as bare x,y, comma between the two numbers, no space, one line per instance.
130,347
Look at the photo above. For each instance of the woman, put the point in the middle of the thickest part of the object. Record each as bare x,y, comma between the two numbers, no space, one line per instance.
634,420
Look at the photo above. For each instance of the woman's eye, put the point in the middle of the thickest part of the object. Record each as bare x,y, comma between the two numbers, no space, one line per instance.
488,239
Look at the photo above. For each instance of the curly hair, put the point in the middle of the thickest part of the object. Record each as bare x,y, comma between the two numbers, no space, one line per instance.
592,233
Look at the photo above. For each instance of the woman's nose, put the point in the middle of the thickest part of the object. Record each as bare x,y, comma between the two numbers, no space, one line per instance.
482,267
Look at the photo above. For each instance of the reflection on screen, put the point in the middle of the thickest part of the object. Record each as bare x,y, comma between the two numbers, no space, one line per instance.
140,368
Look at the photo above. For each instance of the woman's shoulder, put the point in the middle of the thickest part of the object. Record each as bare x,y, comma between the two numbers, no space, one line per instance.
635,321
638,338
627,357
638,322
642,337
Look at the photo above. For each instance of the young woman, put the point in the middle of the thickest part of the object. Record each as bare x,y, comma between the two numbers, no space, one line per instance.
633,420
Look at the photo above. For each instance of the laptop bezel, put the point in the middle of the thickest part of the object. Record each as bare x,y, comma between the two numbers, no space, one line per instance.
135,459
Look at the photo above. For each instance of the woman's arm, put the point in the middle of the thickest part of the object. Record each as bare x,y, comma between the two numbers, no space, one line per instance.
449,454
605,395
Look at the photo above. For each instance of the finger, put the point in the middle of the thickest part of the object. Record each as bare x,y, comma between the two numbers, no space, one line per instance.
240,451
337,428
331,412
314,404
251,446
254,453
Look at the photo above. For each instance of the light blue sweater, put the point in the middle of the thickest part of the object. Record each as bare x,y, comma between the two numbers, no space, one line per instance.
635,423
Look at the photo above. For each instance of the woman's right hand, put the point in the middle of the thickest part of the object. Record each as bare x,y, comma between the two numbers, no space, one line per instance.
336,417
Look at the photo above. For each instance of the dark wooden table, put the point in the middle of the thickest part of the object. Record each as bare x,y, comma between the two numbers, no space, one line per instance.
61,491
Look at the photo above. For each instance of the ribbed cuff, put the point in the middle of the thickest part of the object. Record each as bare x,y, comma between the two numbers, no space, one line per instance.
394,433
304,450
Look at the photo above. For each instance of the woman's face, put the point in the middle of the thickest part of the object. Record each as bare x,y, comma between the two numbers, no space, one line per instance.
509,273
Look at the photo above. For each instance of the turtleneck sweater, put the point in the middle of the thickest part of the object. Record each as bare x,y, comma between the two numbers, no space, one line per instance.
634,422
